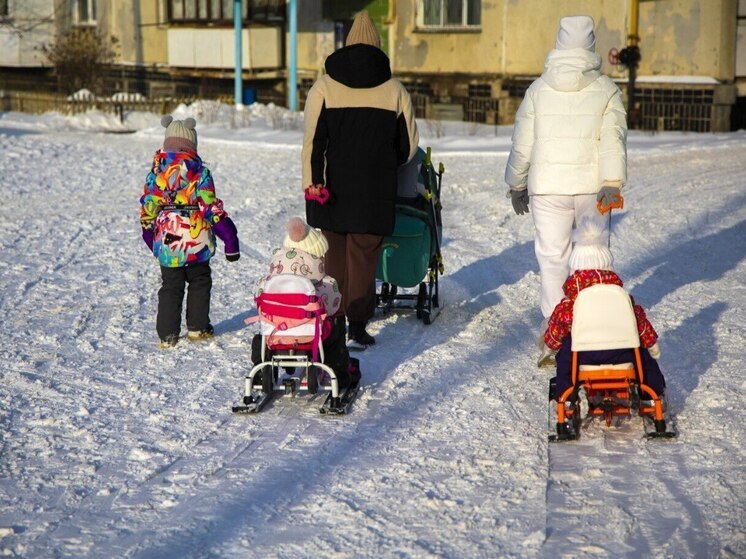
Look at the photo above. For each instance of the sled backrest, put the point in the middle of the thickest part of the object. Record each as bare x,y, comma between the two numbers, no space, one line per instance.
603,318
288,306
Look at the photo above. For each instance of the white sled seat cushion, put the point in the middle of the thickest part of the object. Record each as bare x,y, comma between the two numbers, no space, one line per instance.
603,318
289,284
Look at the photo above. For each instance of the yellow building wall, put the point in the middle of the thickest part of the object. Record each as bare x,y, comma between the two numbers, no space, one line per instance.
677,37
688,37
140,29
154,34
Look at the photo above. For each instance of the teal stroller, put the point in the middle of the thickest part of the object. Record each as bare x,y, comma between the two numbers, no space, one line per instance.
411,255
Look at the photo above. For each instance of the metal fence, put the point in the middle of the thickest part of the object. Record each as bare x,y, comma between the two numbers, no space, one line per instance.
481,109
37,103
687,110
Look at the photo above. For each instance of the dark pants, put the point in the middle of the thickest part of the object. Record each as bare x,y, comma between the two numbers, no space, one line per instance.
651,372
171,298
351,260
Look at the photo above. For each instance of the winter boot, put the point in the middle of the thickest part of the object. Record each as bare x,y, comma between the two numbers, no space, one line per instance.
349,376
169,341
357,337
548,358
354,369
205,334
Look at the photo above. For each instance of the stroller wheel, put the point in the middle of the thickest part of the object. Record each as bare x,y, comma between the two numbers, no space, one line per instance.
384,292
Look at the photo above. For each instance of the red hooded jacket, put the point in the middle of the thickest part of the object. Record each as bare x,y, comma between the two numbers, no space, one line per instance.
560,323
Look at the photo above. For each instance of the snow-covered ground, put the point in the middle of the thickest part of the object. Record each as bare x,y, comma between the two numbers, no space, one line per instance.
112,447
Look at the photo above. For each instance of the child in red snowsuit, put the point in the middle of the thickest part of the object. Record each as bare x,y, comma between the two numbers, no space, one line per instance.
591,264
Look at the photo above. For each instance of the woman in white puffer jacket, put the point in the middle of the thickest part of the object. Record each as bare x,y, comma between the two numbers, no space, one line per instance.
569,150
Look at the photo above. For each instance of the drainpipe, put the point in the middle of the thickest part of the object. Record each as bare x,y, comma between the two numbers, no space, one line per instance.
238,84
293,65
633,40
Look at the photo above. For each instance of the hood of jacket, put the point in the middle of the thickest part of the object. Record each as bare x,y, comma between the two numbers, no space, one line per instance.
580,279
359,66
571,69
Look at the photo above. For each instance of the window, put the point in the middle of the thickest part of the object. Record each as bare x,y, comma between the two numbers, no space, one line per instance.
4,8
85,13
222,10
436,14
267,9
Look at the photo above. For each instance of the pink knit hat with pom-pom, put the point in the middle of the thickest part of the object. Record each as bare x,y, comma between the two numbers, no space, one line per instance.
302,236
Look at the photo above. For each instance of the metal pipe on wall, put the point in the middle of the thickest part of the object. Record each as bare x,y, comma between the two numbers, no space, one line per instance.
238,82
293,64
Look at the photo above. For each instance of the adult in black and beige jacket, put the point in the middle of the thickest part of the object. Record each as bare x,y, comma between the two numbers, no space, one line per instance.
359,127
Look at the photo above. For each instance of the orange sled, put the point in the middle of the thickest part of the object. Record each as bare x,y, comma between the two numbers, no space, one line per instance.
603,319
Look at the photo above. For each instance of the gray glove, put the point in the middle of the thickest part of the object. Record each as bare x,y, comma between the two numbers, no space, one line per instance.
519,198
608,195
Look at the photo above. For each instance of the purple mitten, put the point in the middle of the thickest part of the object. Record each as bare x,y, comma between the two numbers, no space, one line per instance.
226,231
147,236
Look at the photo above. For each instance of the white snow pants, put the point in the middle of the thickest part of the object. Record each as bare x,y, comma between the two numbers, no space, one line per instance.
555,217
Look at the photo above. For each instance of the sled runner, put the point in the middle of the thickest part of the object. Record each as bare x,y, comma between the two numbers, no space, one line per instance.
292,361
411,255
604,319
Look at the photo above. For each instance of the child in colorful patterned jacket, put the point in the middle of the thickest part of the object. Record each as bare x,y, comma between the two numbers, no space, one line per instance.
302,254
180,216
590,264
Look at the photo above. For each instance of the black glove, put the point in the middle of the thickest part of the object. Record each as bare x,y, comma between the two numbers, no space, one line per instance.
519,198
233,256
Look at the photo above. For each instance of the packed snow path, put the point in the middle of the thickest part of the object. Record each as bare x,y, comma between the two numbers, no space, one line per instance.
113,447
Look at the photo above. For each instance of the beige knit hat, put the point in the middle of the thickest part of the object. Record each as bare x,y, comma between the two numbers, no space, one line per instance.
363,32
302,236
180,134
590,252
576,32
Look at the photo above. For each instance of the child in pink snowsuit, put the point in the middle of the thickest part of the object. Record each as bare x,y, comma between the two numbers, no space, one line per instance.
302,254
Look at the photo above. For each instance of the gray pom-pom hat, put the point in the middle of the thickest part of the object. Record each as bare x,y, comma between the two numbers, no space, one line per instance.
180,134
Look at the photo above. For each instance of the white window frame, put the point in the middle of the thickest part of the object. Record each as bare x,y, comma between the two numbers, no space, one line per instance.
442,26
91,5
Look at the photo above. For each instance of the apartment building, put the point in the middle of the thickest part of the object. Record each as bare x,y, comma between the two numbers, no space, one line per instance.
460,59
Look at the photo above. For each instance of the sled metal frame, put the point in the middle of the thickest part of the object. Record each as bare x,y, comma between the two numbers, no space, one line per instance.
254,396
611,389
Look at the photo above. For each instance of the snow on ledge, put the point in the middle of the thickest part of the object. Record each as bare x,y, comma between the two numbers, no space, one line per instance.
678,79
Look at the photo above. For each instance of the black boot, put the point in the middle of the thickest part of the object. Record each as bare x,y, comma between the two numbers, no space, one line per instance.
357,337
349,376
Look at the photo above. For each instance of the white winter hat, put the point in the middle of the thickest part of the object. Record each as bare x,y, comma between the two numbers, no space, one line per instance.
180,134
590,252
576,32
302,236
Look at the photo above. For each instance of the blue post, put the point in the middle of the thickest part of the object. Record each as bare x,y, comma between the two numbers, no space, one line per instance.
293,65
238,85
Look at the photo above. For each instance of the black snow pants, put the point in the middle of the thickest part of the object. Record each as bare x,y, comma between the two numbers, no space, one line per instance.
171,298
